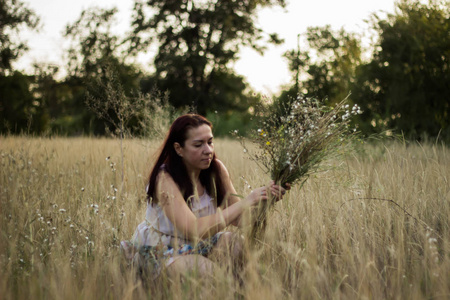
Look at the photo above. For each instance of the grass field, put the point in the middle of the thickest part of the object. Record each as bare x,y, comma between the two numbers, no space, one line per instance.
65,208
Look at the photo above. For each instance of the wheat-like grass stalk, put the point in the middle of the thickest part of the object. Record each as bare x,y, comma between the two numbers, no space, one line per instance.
314,245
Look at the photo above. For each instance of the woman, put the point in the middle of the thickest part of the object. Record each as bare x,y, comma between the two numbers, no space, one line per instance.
191,200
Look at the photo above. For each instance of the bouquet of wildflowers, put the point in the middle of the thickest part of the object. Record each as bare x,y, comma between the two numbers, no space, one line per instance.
294,137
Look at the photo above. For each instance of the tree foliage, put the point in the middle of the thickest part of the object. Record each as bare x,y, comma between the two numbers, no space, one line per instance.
403,87
95,50
14,16
91,42
406,87
19,111
196,42
327,65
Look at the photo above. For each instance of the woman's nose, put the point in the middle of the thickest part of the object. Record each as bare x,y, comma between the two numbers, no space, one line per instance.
208,149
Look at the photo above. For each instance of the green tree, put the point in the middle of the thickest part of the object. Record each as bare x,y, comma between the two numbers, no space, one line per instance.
14,16
94,49
53,96
92,42
327,65
19,110
406,85
197,41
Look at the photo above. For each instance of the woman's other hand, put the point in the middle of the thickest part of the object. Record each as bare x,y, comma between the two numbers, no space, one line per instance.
262,193
278,191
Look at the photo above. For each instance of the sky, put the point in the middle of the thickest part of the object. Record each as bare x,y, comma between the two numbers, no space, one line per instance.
266,74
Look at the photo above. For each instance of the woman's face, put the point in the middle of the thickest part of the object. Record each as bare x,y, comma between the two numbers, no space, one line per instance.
198,149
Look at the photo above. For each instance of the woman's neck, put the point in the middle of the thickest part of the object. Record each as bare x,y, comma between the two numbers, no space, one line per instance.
196,183
194,175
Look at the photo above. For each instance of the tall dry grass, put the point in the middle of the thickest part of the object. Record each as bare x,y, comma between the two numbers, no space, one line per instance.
64,210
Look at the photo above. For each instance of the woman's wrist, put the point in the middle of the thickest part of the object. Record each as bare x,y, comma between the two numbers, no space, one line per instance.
249,201
222,221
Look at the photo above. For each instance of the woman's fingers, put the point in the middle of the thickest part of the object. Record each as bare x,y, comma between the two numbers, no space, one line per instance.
272,189
263,192
259,194
278,191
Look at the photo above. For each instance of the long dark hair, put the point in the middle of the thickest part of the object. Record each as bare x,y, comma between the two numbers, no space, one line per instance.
172,163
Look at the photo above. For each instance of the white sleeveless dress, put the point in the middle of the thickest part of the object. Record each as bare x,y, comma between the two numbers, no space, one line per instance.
158,230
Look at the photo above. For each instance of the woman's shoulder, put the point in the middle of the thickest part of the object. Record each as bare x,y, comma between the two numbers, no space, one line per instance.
165,185
221,166
163,175
222,169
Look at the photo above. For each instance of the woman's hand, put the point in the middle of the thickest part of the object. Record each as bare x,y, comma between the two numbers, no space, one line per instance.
257,195
278,191
271,189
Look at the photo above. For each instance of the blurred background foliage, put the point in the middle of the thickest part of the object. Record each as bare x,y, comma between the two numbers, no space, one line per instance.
402,85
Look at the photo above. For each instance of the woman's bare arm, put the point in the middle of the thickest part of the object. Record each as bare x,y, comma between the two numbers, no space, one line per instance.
231,194
178,212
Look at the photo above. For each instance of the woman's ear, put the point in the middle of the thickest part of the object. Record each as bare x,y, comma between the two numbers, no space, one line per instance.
178,149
